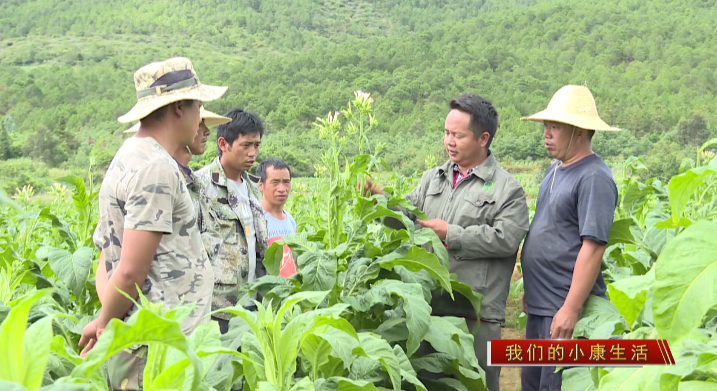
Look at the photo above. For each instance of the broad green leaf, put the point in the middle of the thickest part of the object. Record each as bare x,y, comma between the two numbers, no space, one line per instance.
318,269
577,379
342,344
595,312
428,284
697,385
143,327
358,275
445,337
11,386
407,371
433,362
672,223
72,269
173,376
623,231
416,259
682,187
378,349
418,311
446,384
334,367
266,386
633,197
343,384
288,341
629,295
36,351
382,211
61,385
685,274
643,378
428,236
316,351
356,232
14,366
393,330
274,287
368,369
304,384
403,203
475,298
67,235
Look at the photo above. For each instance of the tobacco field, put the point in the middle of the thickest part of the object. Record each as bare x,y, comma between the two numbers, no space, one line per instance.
356,316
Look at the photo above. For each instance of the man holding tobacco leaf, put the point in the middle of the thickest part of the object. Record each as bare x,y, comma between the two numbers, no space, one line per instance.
480,214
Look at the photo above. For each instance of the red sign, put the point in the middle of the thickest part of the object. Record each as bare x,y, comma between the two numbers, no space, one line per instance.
288,266
579,352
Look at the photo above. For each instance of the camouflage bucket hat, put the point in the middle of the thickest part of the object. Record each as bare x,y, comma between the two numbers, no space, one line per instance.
209,118
161,83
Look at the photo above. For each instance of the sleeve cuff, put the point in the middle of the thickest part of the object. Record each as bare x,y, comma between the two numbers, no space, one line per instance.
453,237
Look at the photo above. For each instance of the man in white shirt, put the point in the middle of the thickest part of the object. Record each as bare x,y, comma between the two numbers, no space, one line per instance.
275,184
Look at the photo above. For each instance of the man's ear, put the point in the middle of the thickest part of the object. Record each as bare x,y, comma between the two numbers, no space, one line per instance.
261,187
222,143
484,139
176,109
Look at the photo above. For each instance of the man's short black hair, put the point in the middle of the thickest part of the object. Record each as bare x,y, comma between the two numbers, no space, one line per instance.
484,117
278,164
242,123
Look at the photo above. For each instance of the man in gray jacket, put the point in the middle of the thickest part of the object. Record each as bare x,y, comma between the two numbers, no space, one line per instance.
480,213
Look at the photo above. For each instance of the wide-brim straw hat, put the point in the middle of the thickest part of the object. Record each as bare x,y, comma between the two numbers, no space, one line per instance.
573,105
161,83
209,118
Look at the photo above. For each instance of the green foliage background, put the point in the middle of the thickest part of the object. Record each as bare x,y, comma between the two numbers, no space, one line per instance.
66,72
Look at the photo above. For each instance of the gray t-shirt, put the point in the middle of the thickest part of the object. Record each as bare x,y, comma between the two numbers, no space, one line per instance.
242,192
279,228
580,206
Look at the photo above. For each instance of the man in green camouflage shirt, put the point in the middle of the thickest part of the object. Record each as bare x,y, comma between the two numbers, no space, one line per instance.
236,234
182,156
148,230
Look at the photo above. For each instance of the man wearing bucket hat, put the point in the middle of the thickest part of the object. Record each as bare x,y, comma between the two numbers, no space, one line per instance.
562,253
147,229
182,156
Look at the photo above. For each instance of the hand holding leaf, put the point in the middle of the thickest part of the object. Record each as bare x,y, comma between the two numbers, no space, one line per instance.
438,226
90,335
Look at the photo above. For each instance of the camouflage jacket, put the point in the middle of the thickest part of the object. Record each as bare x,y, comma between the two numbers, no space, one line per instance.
199,200
224,236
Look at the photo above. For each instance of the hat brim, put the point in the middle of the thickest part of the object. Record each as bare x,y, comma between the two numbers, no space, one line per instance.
146,105
209,118
588,123
213,119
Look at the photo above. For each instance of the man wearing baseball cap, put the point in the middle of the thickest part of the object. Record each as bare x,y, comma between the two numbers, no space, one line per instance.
562,253
148,230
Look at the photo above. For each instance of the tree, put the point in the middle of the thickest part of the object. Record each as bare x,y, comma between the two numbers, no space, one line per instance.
5,142
693,129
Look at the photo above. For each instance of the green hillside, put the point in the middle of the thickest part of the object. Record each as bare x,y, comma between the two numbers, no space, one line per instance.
66,72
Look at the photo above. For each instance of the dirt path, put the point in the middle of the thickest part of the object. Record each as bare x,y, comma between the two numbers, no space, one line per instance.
510,376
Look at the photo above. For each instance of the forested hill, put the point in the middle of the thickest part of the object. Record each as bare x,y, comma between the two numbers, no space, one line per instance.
66,71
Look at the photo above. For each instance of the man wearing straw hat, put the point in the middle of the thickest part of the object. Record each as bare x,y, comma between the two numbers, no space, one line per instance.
148,229
562,253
